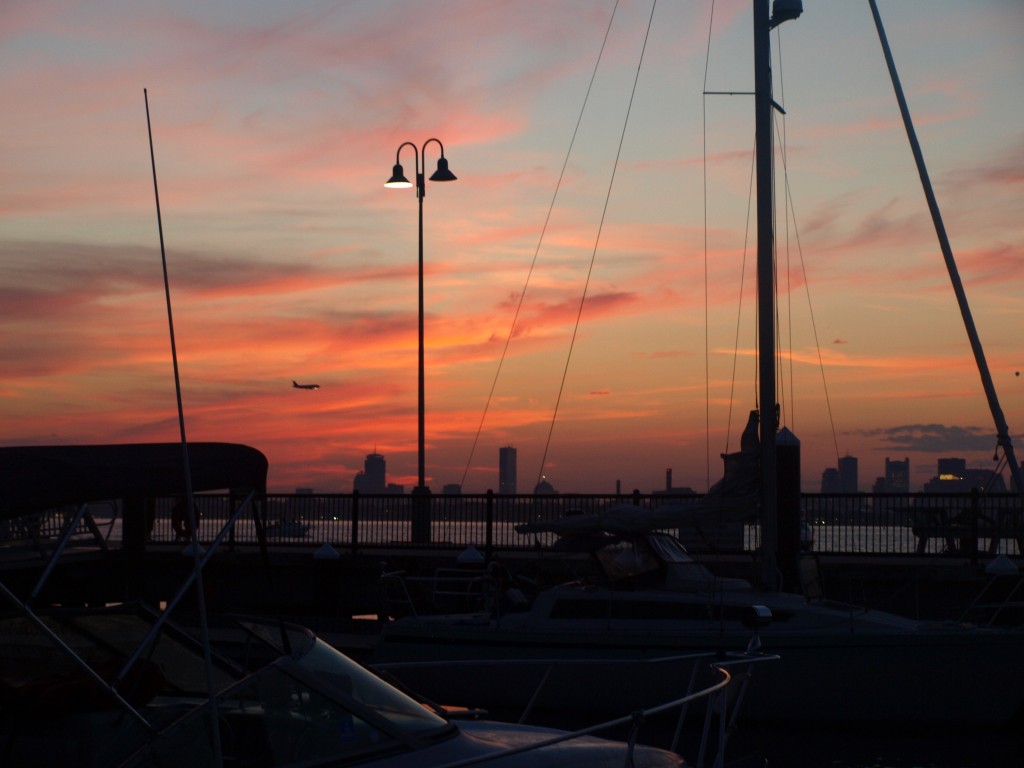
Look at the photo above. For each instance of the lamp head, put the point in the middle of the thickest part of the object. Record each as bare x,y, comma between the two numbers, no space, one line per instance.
786,10
442,173
398,180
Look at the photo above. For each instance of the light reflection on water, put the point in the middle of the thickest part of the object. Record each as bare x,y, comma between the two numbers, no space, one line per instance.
881,539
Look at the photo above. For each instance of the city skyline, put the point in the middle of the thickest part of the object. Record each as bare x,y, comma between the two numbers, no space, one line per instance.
841,479
289,262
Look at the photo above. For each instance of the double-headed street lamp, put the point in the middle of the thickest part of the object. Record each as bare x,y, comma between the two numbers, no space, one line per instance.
399,181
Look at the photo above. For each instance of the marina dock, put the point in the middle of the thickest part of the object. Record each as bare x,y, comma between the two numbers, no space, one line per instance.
866,550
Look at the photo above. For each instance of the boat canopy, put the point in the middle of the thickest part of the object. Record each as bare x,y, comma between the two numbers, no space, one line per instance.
41,477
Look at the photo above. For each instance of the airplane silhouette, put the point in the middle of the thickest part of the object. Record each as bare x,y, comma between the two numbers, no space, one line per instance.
304,386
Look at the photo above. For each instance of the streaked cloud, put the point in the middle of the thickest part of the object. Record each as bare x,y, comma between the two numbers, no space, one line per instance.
275,129
936,438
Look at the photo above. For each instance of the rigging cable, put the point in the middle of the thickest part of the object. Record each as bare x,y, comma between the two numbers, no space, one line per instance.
743,270
739,307
790,209
810,305
781,130
536,252
597,240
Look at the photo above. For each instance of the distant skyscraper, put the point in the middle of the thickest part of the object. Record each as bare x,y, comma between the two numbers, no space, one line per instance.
830,481
372,478
848,474
954,477
897,476
507,469
544,487
952,469
841,480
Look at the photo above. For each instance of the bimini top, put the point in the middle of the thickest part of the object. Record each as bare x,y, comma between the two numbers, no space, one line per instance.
40,477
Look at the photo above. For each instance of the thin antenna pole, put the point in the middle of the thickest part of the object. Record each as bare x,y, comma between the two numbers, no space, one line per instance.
190,510
1002,430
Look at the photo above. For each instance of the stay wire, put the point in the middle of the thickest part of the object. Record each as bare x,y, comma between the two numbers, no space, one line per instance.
743,269
790,208
540,241
810,305
597,240
739,306
781,123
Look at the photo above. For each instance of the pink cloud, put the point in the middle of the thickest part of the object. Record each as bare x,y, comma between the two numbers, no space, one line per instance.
273,134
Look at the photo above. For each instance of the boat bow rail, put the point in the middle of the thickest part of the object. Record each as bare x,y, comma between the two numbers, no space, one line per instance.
723,694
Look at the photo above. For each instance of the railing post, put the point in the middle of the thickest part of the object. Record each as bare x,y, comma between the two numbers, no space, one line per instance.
636,497
421,513
136,523
972,545
355,521
489,537
234,499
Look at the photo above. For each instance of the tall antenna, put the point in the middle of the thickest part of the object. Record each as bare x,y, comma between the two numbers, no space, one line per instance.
190,508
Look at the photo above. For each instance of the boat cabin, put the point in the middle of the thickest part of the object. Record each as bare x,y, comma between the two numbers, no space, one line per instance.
656,559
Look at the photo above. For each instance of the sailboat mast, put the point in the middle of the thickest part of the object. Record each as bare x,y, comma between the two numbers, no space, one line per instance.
782,10
1002,429
765,290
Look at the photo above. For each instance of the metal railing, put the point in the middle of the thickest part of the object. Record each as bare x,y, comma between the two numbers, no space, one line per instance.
722,695
852,524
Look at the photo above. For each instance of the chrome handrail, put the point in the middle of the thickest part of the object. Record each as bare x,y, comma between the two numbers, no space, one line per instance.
714,693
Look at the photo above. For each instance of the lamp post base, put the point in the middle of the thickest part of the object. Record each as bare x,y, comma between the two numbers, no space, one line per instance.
421,515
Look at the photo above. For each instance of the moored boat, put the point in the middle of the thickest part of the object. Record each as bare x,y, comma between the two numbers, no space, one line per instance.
838,664
120,685
311,705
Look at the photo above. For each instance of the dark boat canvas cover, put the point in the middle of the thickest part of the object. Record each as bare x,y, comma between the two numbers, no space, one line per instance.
38,478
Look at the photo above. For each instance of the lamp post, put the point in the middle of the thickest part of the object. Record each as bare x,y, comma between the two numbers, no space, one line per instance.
399,181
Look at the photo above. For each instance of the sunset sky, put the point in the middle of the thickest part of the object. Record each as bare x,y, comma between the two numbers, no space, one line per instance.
276,124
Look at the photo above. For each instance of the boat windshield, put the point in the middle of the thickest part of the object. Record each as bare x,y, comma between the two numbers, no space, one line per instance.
626,558
311,706
638,558
341,673
668,548
315,660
